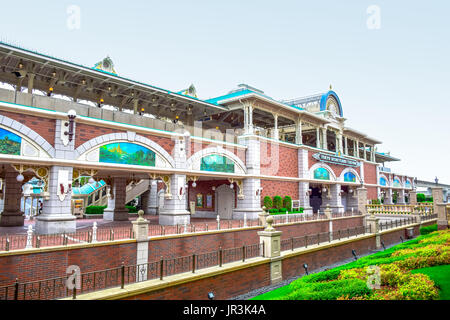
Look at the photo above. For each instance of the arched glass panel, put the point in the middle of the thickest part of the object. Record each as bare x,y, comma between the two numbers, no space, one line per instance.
127,153
322,174
218,163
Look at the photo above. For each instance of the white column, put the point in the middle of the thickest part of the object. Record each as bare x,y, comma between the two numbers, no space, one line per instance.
317,137
365,153
275,129
298,132
324,140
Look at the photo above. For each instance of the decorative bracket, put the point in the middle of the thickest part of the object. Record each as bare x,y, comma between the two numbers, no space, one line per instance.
40,172
167,181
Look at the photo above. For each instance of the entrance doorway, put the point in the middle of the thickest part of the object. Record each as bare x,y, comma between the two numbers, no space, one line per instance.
315,199
225,201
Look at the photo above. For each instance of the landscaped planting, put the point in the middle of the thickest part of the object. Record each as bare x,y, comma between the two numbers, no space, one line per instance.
280,205
399,271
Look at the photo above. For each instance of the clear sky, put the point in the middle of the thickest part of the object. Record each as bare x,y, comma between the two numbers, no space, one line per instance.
390,67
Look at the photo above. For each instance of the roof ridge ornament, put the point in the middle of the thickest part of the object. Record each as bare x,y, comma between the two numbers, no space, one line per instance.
106,65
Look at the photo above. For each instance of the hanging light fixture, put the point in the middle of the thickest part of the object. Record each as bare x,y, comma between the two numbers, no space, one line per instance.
20,177
91,180
194,184
231,186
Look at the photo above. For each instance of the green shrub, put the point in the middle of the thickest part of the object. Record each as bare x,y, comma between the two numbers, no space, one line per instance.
287,203
131,209
95,209
273,210
428,229
429,199
277,202
268,203
283,210
420,197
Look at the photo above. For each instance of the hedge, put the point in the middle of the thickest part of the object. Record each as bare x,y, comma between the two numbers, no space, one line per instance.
277,202
428,229
268,203
287,203
95,209
100,209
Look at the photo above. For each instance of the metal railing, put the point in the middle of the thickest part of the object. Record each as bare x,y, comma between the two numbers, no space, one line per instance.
57,288
323,237
32,240
397,223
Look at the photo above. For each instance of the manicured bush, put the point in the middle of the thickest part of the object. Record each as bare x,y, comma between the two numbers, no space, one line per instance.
268,203
131,209
273,210
420,197
95,209
277,202
283,210
287,203
428,229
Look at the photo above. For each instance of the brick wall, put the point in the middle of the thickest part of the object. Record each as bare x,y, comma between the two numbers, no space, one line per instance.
294,266
224,286
273,188
370,173
197,146
372,193
45,265
204,188
85,132
278,160
45,127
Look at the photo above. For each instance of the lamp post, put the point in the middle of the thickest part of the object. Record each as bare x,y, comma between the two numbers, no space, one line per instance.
71,115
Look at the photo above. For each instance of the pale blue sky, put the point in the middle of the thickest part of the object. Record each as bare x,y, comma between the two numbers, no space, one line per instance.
392,82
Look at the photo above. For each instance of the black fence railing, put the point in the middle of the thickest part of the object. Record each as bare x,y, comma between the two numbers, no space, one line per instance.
20,241
321,238
57,288
428,217
397,223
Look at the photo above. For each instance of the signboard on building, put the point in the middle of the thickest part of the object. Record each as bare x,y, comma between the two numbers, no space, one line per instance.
336,160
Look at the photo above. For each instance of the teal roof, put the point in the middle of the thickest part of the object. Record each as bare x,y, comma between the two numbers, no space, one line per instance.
102,71
244,92
88,188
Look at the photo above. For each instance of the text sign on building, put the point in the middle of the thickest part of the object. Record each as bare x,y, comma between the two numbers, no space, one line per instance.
336,160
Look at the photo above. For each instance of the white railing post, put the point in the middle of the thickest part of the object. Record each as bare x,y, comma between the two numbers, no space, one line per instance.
287,218
29,244
94,232
218,222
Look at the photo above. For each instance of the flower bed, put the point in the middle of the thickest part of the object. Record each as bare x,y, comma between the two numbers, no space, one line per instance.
397,282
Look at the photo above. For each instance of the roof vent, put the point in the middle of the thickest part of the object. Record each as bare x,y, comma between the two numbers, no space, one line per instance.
244,86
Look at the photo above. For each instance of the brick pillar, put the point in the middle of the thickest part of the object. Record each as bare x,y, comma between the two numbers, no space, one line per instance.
271,240
140,229
303,187
388,196
438,197
11,215
153,198
175,202
374,224
401,196
56,214
116,210
335,202
413,197
442,221
250,204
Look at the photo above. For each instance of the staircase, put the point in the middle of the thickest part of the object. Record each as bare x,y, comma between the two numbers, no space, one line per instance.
135,190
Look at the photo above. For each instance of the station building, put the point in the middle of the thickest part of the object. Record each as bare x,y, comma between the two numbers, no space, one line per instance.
182,156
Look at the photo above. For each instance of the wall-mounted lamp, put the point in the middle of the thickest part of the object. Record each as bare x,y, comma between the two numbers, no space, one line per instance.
194,184
211,296
354,254
71,115
305,266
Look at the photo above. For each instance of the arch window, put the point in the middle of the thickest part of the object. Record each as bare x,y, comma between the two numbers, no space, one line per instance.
218,163
321,174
